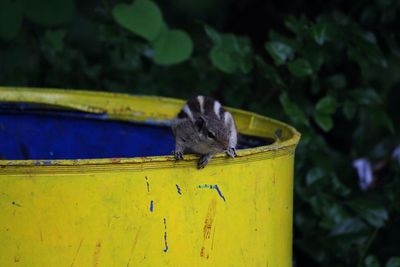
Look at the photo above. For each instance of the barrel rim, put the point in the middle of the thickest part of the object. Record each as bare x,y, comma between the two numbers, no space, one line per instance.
99,102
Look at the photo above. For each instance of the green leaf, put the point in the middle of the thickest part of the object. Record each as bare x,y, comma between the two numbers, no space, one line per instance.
278,37
366,96
364,50
339,187
213,34
300,68
297,25
372,211
371,261
293,111
314,175
393,262
349,109
349,226
172,47
222,59
50,12
142,17
333,213
10,18
230,53
318,32
324,121
279,51
326,105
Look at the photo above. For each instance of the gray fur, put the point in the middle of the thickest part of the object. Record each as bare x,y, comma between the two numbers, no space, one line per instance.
201,131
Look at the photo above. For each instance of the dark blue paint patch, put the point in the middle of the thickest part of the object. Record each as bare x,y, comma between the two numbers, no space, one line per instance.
46,134
219,192
210,186
179,190
46,162
151,205
165,236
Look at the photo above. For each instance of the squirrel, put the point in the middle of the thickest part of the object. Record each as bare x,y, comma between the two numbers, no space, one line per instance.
205,128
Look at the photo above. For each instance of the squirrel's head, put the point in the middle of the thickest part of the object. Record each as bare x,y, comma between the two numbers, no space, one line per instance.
214,133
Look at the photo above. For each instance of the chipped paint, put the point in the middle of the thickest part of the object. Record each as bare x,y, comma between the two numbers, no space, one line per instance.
219,192
44,162
178,189
82,194
210,186
151,205
165,236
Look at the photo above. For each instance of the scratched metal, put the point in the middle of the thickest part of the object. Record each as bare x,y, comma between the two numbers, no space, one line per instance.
148,211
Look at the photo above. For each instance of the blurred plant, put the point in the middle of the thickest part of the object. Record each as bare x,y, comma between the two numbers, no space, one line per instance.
143,17
330,69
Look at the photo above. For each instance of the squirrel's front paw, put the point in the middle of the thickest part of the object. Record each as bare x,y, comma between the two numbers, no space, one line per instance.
231,152
178,155
203,161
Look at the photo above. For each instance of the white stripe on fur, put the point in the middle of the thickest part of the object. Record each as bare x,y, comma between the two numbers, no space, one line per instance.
201,103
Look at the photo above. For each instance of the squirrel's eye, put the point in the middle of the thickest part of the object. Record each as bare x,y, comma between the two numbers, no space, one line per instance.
211,135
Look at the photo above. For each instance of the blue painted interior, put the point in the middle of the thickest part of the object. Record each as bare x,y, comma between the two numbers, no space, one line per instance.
28,132
74,135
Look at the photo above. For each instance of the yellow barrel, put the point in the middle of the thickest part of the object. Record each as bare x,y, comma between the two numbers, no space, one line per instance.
148,211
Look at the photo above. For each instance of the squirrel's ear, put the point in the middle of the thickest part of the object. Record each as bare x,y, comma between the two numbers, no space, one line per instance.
200,122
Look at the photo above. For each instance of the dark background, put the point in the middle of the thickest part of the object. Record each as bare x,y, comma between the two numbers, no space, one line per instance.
330,68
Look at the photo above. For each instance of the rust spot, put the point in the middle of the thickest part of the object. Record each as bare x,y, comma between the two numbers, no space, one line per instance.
17,258
115,160
96,254
208,224
16,204
212,241
209,219
202,253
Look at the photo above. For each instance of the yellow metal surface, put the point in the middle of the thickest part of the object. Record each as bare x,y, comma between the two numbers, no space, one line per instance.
149,211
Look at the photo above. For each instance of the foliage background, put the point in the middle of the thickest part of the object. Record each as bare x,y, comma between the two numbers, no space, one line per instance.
330,68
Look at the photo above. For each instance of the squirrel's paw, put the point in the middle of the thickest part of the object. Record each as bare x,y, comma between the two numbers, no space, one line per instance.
178,155
203,161
231,152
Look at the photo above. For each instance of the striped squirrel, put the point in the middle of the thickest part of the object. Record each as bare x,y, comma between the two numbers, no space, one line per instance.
204,127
